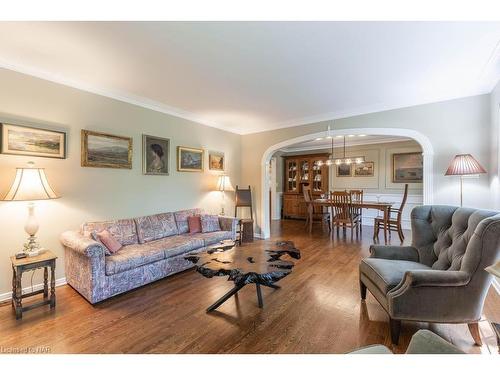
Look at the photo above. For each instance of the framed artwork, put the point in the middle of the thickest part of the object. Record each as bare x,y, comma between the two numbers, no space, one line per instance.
189,159
344,170
105,150
365,169
407,167
155,155
25,140
216,161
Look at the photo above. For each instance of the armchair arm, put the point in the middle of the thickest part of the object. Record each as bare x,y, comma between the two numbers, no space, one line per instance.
394,252
86,246
228,223
423,278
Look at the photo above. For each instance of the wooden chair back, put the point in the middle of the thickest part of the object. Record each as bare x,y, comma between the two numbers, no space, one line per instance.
356,196
306,191
243,199
403,203
341,206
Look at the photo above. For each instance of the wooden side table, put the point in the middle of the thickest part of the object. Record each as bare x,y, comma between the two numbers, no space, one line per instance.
45,260
246,230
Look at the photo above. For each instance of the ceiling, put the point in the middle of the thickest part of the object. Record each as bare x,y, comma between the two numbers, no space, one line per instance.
338,141
254,76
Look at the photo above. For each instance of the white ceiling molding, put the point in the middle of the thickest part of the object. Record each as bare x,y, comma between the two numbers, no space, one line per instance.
349,143
113,94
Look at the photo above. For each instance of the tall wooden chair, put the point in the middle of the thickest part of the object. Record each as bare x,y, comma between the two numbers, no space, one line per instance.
311,216
342,213
244,199
395,219
357,197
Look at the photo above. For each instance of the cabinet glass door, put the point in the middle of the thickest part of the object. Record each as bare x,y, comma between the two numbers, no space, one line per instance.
318,176
304,171
291,178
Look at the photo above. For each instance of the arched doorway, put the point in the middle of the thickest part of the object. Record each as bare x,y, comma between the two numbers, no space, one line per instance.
427,149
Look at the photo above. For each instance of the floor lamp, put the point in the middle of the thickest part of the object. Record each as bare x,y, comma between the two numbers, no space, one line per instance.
463,165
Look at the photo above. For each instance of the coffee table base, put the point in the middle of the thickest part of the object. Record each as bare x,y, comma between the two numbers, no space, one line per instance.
235,290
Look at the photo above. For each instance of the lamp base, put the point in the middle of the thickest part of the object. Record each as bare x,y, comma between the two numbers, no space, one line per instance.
31,248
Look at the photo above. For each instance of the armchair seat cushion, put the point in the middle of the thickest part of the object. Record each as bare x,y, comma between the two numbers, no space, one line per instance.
387,274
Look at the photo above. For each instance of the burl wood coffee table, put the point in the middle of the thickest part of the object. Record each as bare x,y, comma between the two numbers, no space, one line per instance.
257,263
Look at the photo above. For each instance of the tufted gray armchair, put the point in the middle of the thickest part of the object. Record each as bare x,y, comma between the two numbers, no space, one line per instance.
440,277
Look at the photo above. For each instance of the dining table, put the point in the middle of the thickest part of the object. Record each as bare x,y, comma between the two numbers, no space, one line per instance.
384,207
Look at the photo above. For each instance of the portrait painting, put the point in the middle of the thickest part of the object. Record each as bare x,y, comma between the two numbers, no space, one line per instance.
29,141
102,150
189,159
216,161
407,167
155,155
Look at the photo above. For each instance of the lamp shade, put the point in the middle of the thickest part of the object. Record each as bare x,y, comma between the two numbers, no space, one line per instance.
224,183
464,164
30,184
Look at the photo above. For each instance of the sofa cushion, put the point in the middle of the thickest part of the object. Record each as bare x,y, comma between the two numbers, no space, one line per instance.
154,227
181,218
109,242
133,256
123,230
209,223
211,237
387,273
194,224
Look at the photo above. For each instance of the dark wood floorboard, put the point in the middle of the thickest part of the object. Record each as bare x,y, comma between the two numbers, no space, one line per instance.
317,310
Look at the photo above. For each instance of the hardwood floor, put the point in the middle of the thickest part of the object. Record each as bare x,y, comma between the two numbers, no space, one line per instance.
317,310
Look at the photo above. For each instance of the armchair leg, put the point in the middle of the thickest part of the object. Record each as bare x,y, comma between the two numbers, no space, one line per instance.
474,331
395,329
362,289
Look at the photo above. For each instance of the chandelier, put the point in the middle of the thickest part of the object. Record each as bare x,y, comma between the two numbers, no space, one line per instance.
332,160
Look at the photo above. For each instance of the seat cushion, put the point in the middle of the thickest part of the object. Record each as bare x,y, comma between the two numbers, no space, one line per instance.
211,237
386,273
210,223
154,227
133,256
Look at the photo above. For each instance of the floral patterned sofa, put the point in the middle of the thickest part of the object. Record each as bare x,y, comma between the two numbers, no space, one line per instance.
153,248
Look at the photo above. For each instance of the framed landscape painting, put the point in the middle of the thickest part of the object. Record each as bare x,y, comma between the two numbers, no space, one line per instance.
344,170
155,155
364,169
216,161
189,159
105,150
407,167
24,140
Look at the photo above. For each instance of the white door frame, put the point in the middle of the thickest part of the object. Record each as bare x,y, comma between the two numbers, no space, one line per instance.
425,143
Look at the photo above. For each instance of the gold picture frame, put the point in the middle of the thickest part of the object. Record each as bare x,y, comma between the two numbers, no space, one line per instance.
216,161
190,159
407,167
101,150
364,169
342,170
29,141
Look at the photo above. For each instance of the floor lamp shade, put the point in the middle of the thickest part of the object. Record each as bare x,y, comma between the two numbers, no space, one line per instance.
463,165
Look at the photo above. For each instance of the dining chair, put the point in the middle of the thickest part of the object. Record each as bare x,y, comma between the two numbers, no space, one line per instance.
310,216
342,213
357,197
395,219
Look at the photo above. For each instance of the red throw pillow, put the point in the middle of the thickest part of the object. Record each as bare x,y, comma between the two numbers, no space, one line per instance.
109,241
194,224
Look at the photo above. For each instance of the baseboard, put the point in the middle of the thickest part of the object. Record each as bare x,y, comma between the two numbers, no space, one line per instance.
8,295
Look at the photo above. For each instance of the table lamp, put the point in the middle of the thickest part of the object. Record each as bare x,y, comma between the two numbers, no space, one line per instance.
223,185
462,165
30,184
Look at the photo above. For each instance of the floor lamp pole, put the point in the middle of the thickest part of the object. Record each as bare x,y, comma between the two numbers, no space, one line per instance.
461,189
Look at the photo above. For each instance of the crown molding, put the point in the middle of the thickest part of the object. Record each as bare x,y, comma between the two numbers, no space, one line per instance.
114,94
352,143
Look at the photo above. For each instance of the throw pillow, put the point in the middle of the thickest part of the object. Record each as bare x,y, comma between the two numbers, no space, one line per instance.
109,241
194,224
209,223
94,236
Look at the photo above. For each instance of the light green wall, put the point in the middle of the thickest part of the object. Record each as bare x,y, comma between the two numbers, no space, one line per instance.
453,127
96,193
